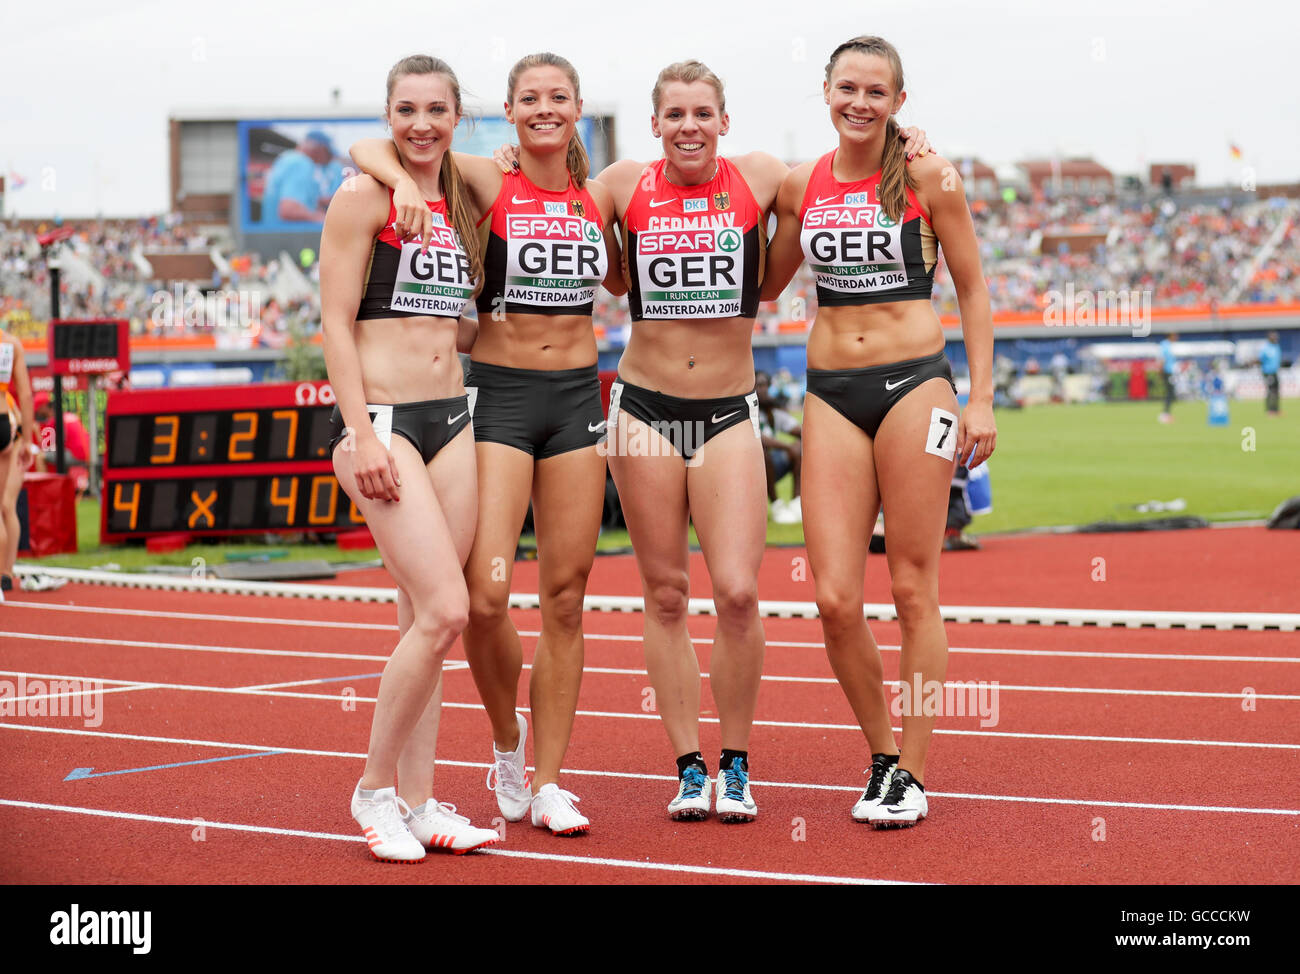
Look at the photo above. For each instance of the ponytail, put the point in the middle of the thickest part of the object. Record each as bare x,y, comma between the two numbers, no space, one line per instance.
577,161
894,177
461,212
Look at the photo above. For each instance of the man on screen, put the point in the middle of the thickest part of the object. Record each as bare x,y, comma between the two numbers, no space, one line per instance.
301,182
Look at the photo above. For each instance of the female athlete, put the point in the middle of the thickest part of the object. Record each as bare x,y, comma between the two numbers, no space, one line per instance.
880,420
17,422
402,447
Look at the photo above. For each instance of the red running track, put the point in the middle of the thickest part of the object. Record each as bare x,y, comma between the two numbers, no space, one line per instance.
1117,756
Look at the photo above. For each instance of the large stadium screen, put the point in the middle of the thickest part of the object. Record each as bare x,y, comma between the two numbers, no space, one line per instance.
289,168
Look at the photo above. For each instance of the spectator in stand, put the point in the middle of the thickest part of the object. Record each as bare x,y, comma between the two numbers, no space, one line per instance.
1270,360
779,456
76,441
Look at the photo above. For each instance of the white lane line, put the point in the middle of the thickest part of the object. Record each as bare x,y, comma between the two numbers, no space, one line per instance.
672,867
196,647
461,665
202,616
801,786
993,615
799,725
1045,653
1013,615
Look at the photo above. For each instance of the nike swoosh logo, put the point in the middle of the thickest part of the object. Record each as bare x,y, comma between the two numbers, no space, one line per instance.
890,386
820,201
516,200
896,811
592,429
719,419
452,419
660,202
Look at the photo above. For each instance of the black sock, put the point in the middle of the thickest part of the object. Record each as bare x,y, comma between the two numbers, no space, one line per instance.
729,755
889,758
695,758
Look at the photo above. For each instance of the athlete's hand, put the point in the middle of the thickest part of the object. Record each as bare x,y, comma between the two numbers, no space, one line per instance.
413,220
507,158
977,434
375,469
915,142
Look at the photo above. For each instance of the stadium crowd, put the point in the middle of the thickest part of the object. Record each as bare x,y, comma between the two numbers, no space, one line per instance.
1184,254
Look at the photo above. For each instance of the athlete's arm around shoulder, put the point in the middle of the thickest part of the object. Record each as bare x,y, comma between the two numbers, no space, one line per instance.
940,192
604,199
379,158
784,252
620,178
764,173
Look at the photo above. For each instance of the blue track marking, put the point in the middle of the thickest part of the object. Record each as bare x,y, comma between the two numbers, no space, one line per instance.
78,773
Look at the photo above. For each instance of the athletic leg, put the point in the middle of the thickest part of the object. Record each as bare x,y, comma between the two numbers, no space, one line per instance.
728,505
568,497
457,493
914,488
420,552
11,482
652,490
843,500
505,477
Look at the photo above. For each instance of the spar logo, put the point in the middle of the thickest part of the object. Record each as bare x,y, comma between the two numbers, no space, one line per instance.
729,240
839,216
592,232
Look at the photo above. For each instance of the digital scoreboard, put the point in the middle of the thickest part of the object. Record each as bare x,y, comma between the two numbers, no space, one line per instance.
222,460
88,347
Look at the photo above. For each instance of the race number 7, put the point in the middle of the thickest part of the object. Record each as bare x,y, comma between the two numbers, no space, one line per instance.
940,439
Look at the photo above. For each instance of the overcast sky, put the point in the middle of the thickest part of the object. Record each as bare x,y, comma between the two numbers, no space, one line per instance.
88,86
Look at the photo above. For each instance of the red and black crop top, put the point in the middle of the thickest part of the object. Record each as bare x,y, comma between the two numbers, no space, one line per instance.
402,282
693,251
545,251
856,252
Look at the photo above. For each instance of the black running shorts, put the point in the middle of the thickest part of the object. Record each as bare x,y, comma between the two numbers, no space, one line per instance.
865,396
685,423
543,413
428,426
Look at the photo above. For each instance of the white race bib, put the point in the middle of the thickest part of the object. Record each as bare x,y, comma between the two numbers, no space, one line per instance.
434,283
696,273
553,260
853,248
